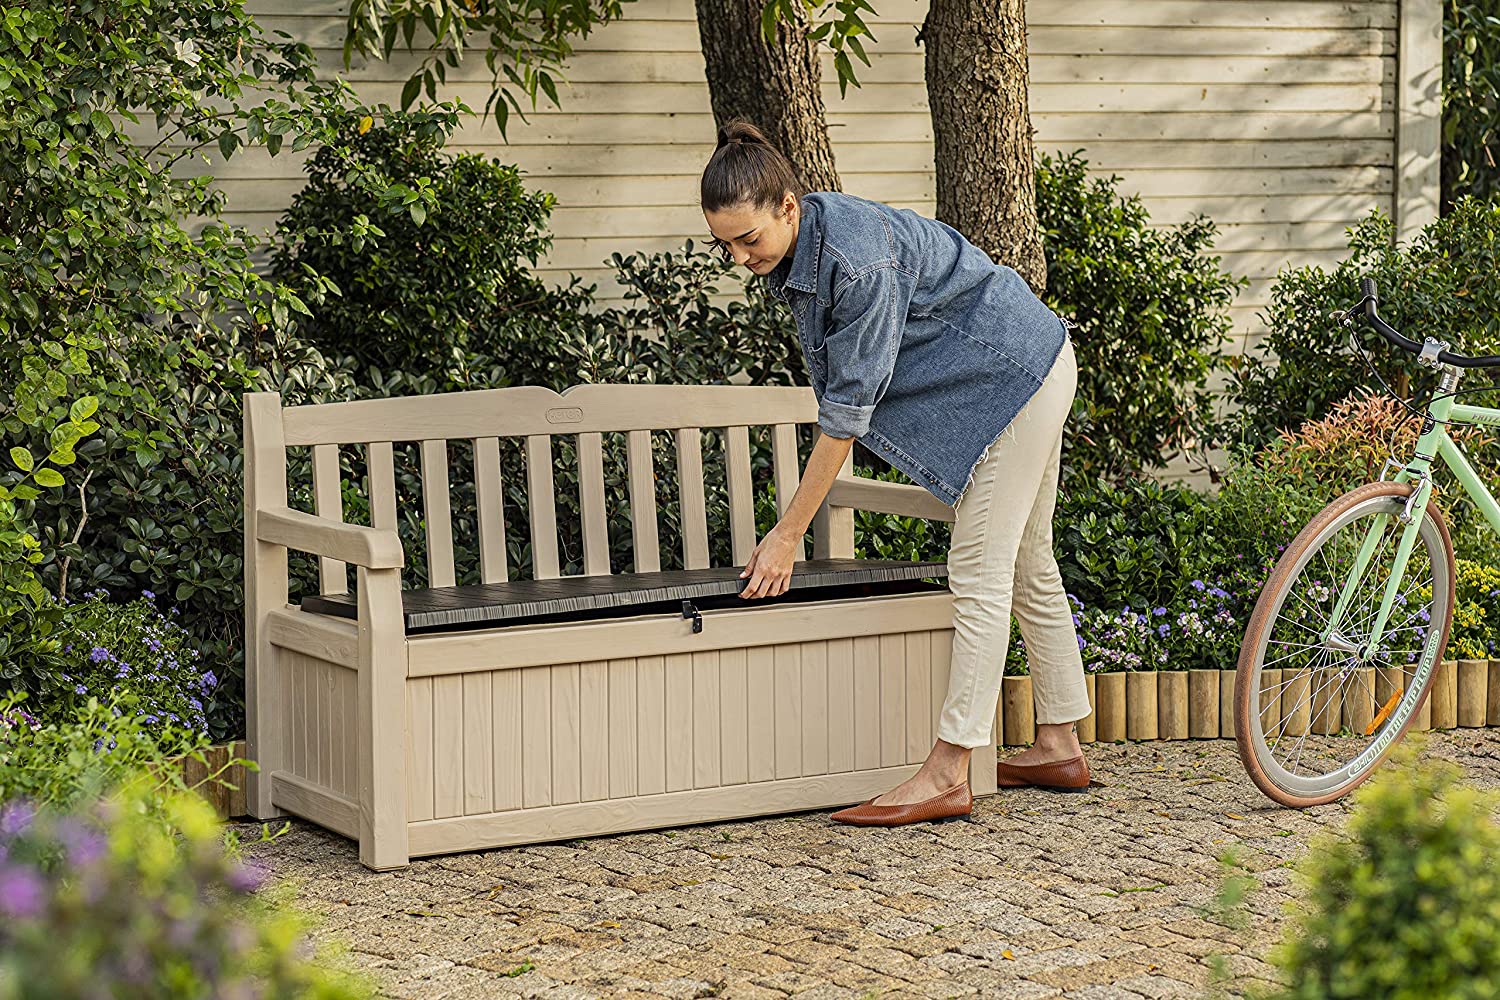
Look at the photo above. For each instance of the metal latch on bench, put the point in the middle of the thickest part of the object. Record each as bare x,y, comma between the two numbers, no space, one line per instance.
688,611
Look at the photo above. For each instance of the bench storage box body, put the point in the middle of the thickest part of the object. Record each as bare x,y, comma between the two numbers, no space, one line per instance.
521,711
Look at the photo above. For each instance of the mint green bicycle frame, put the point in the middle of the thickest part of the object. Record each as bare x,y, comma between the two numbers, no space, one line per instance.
1435,443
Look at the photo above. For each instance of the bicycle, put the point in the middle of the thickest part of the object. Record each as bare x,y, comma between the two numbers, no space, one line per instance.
1359,672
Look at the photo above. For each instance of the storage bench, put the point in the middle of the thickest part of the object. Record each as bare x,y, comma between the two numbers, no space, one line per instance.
448,718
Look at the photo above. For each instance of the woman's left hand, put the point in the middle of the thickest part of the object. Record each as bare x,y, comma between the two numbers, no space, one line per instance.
770,564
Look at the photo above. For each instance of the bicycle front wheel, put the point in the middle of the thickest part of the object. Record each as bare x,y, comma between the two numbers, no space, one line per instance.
1316,707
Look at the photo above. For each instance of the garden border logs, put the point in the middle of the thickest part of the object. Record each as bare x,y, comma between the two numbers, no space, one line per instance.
422,744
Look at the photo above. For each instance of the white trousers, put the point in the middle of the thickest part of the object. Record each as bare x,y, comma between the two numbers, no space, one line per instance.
1000,562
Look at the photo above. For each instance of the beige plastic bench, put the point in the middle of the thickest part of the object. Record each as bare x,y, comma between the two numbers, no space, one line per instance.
521,711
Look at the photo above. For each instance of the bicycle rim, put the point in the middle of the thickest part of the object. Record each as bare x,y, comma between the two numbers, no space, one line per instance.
1319,726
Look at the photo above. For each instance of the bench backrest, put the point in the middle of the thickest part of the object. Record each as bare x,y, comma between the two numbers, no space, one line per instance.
534,414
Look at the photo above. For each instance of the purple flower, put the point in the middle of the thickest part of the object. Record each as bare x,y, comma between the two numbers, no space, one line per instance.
22,893
1159,611
15,818
84,845
148,595
98,654
1199,584
79,688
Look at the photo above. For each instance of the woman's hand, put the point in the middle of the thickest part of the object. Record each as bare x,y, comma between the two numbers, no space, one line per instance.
770,564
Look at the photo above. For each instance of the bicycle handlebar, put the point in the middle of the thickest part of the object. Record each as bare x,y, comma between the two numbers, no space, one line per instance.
1367,307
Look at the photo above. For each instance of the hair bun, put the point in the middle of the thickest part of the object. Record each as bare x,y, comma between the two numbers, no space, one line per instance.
741,132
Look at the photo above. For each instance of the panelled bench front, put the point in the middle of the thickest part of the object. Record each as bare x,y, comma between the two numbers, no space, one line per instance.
449,718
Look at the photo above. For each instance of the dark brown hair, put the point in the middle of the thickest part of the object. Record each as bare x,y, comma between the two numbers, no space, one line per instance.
746,169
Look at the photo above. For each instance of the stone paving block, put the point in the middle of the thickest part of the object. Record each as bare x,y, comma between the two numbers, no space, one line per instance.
1105,971
1052,959
1101,993
897,928
1159,987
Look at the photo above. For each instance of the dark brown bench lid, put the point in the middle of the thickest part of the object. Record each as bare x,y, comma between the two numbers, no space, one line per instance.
575,597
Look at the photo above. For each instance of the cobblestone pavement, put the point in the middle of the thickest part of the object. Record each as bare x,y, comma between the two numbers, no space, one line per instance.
1101,896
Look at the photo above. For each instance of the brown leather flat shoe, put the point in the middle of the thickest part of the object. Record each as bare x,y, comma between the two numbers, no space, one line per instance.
1071,775
954,803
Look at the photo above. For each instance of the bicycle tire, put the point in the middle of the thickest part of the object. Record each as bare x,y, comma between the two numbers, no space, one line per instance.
1278,586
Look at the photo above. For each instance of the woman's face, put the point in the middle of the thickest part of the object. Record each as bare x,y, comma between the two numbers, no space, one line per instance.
756,238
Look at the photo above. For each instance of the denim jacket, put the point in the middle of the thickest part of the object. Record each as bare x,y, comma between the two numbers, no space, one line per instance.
917,343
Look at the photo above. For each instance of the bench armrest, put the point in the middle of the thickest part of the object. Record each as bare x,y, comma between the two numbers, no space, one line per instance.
372,548
887,498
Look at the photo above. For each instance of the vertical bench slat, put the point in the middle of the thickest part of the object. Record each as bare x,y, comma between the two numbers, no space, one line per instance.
333,578
382,485
918,696
784,466
677,748
505,716
690,497
814,707
624,748
591,502
479,752
642,477
435,509
419,776
833,527
566,734
489,492
593,721
542,504
734,719
741,495
707,747
892,715
840,714
448,746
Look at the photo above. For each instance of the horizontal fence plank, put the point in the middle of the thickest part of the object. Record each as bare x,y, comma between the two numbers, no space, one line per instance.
894,13
643,34
587,174
697,128
643,68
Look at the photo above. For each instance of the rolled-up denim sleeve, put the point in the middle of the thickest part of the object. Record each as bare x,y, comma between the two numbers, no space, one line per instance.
868,315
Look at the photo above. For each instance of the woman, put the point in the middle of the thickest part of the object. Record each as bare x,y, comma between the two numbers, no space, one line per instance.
949,366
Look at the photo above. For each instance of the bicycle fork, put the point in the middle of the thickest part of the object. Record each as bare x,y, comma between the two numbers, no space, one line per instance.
1411,516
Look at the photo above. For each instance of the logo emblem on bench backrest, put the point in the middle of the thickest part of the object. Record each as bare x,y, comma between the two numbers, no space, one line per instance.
565,415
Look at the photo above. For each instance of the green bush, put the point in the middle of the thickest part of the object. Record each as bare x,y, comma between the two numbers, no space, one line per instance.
107,900
1471,100
1153,314
111,302
87,752
438,274
1442,283
1404,902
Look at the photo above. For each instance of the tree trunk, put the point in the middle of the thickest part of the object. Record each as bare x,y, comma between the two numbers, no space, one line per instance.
775,87
981,127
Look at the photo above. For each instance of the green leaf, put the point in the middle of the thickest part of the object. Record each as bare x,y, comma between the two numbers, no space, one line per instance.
768,20
83,408
48,477
22,458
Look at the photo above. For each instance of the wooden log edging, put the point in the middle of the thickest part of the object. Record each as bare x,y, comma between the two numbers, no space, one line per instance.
228,803
1199,703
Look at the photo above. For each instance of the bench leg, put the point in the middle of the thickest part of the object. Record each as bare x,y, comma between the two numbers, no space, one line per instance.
383,842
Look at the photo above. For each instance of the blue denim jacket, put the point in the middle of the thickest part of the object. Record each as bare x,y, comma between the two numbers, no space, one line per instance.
917,343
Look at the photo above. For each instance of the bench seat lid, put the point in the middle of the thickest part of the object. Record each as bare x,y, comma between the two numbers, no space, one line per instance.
476,605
